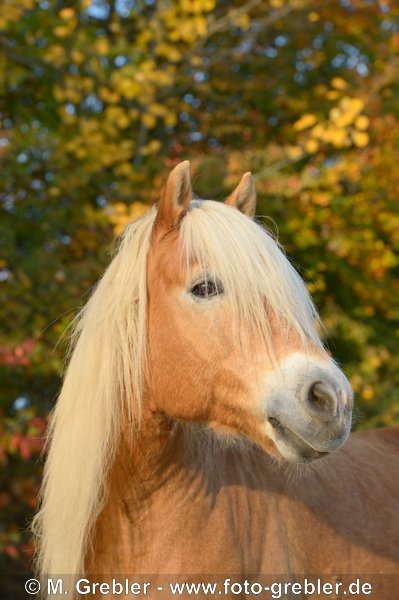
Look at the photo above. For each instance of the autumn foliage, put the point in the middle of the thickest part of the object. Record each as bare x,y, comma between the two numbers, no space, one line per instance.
100,98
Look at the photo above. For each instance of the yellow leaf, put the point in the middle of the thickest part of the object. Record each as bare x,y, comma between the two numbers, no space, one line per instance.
338,83
58,93
313,17
123,170
362,122
341,117
119,208
147,65
128,89
149,120
67,13
170,119
318,131
196,61
360,138
81,153
112,97
201,25
192,6
304,122
77,57
322,199
157,109
367,393
208,5
353,105
375,361
338,137
115,27
122,121
335,114
151,148
243,21
168,51
138,209
102,46
311,146
144,38
61,31
293,152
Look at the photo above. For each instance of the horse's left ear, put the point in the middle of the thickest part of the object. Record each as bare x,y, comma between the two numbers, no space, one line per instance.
244,196
176,197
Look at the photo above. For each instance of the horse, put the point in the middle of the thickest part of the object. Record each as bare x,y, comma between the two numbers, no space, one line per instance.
202,427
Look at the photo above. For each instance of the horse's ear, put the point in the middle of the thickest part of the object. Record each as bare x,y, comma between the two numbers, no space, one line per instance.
244,196
175,198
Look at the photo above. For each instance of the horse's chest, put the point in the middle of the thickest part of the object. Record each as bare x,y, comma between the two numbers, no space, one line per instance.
235,530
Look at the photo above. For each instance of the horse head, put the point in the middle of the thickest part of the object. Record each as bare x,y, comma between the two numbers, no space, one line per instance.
232,334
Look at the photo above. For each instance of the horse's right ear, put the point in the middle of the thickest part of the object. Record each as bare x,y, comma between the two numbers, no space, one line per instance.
175,198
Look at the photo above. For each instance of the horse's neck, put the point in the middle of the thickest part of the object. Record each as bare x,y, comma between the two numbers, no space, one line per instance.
176,499
142,464
170,482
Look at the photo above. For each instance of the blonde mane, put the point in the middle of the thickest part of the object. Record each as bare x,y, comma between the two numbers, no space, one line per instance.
104,380
104,374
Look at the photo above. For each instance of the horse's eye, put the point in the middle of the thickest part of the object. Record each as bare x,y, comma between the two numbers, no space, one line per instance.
206,289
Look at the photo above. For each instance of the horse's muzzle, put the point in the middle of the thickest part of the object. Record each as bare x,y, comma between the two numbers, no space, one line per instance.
309,408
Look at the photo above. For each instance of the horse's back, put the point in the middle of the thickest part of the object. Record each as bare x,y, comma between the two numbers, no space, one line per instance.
379,447
388,435
356,492
366,469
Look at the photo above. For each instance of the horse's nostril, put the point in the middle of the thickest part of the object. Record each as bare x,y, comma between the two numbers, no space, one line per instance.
322,400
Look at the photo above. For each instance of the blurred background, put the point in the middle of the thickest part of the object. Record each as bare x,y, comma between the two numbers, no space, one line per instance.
99,99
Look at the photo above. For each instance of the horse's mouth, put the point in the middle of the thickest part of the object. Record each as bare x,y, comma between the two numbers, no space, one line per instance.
303,451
